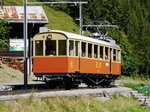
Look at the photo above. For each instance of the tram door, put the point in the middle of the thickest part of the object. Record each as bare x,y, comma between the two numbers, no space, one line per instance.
110,60
74,51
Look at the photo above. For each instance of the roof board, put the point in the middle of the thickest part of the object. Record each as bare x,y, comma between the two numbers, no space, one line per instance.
15,14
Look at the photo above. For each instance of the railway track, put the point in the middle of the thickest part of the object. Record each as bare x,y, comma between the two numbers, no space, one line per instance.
39,90
41,87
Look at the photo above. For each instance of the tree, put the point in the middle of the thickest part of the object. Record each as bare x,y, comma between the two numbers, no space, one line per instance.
4,34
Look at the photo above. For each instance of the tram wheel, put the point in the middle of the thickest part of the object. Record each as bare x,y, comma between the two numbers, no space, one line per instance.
106,83
50,84
67,83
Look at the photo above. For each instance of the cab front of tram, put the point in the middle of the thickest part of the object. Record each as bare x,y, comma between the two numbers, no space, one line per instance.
49,53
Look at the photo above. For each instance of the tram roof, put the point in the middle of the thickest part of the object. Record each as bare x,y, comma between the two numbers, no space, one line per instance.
85,38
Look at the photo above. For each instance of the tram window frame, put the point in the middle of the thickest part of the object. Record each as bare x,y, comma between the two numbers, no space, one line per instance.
114,55
96,51
101,53
71,48
52,50
77,48
118,55
38,48
64,51
90,49
106,53
84,53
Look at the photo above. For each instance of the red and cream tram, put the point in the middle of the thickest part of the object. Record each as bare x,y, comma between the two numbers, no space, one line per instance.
70,59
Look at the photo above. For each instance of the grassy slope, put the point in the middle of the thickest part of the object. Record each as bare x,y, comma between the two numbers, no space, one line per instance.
77,104
130,79
9,75
58,20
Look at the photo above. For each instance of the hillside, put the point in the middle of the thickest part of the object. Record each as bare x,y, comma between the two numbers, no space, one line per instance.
9,75
58,20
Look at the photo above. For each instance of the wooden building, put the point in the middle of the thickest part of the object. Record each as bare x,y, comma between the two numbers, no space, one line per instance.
14,15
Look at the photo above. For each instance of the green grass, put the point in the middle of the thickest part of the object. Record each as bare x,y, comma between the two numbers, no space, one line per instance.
78,104
58,20
137,83
137,87
134,83
135,79
123,79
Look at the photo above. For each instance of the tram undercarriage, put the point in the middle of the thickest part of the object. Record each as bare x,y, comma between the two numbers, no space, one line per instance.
69,81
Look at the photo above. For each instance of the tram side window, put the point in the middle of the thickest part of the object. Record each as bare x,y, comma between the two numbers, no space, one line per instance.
83,48
106,53
89,50
118,55
95,51
76,48
50,47
71,48
38,48
114,55
62,47
101,52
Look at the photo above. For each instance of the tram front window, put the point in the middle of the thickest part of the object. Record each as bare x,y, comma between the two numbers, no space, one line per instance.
50,47
38,48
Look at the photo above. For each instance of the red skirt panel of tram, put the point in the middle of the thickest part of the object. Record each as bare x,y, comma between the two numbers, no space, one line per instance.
74,65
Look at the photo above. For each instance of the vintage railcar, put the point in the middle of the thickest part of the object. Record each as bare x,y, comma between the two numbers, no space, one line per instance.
69,59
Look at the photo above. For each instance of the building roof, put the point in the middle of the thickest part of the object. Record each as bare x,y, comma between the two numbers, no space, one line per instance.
15,14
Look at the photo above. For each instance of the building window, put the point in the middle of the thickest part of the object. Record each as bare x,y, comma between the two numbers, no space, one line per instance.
50,47
114,55
106,53
101,52
76,48
71,48
95,51
38,48
89,50
61,47
83,48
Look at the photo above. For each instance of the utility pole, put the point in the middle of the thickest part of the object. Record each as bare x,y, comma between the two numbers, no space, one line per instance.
80,17
25,33
1,2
